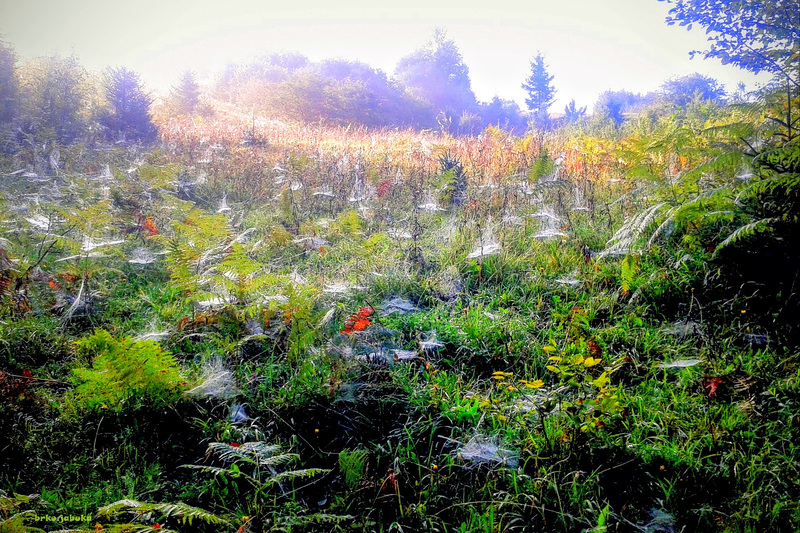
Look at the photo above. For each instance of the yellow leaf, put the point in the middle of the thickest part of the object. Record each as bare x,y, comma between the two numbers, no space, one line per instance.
601,382
549,349
591,361
554,358
535,385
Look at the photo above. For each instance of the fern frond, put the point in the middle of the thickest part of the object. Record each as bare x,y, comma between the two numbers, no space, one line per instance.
185,513
622,241
17,523
112,509
746,231
257,453
317,518
295,474
225,472
117,528
669,219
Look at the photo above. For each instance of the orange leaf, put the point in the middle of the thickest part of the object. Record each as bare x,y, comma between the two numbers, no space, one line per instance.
361,324
150,226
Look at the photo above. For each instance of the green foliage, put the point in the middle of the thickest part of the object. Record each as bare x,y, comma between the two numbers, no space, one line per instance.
543,166
17,511
347,224
32,342
180,512
197,241
754,36
287,206
630,265
255,463
54,99
680,396
125,373
681,91
353,465
240,276
452,182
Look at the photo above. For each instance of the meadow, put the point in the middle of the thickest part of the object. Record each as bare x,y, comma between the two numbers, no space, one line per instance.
257,325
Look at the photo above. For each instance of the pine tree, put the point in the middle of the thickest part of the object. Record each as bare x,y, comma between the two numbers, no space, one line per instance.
574,113
541,93
129,114
186,95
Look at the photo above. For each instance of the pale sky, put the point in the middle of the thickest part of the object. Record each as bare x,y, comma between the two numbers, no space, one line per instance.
589,45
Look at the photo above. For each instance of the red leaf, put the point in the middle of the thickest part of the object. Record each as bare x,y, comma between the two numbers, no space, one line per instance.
358,321
711,385
594,350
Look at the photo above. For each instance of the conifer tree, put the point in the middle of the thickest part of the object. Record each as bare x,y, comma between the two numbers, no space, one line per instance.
573,113
129,114
541,93
186,95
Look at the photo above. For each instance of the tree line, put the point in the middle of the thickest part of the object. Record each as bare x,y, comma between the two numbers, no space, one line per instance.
55,99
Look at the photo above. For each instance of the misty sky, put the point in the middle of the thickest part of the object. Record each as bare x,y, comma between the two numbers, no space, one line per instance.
589,45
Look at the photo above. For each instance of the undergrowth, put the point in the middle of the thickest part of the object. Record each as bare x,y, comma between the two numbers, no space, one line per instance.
431,334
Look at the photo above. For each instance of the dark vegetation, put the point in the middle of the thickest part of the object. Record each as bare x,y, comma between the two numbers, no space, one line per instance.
220,320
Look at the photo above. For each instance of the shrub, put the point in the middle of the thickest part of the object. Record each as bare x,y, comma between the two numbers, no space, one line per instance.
126,373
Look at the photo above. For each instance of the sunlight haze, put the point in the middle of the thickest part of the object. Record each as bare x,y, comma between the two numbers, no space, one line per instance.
589,46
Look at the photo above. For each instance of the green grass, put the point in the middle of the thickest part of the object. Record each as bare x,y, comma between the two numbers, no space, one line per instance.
529,390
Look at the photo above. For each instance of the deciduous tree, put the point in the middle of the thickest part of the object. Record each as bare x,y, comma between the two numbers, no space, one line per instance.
756,35
681,91
54,98
437,73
